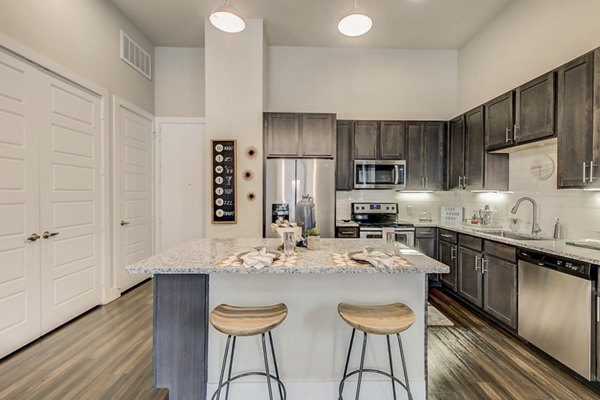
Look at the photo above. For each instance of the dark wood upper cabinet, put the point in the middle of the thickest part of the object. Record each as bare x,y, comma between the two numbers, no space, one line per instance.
318,135
282,134
578,108
499,121
345,146
415,155
299,135
366,140
425,155
456,153
534,107
474,148
391,140
433,150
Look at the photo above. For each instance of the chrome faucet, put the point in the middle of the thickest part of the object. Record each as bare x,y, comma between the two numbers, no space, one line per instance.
535,228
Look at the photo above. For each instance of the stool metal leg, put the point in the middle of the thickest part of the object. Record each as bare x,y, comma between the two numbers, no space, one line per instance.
230,367
275,364
223,368
264,346
391,364
362,364
347,362
404,367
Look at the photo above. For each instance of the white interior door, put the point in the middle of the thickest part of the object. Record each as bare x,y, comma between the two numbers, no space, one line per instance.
181,181
19,206
71,200
134,175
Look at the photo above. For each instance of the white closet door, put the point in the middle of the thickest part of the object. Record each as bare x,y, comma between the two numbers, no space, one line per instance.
71,200
19,206
134,155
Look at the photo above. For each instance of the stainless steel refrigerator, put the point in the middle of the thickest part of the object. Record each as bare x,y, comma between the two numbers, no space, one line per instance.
286,180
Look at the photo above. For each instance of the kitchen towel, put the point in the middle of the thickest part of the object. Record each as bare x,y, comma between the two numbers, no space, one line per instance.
377,258
258,259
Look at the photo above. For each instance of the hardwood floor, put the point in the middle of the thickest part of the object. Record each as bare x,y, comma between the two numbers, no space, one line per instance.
475,360
106,354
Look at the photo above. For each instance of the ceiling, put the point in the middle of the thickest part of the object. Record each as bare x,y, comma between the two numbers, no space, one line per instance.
408,24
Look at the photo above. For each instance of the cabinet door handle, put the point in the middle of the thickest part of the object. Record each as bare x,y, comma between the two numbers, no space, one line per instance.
484,266
446,236
592,165
452,253
584,172
47,235
465,180
426,183
477,263
460,184
507,138
422,181
515,130
33,237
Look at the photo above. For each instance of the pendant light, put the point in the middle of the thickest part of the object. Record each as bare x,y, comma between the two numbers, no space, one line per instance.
355,23
227,18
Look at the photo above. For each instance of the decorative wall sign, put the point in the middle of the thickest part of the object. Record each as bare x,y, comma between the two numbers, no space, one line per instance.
224,186
451,214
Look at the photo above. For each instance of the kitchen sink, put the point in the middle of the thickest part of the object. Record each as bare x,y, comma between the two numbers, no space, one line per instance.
516,236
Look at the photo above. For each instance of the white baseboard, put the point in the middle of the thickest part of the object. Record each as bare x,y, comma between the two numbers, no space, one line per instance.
370,390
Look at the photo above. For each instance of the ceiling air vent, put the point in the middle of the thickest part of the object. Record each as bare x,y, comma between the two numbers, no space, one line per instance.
135,56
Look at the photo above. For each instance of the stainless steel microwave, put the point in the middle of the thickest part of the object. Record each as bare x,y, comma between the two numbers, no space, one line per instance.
380,174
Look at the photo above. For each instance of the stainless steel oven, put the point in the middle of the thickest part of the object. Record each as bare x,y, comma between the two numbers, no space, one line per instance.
380,174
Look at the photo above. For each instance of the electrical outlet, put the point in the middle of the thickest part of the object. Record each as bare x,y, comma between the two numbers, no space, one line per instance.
409,210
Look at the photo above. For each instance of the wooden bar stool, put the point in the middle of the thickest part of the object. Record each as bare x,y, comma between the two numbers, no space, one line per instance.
248,321
388,319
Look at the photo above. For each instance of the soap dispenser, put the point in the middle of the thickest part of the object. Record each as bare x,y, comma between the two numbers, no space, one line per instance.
557,229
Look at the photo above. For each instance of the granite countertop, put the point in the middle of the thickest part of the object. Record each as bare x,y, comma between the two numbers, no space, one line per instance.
201,256
554,247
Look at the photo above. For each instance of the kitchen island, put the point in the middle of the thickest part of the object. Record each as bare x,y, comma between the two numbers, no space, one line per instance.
311,344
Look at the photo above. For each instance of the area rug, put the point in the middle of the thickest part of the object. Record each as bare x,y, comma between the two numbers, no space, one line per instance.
436,318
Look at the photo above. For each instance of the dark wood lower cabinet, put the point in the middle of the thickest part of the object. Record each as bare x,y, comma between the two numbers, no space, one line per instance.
447,255
470,285
500,289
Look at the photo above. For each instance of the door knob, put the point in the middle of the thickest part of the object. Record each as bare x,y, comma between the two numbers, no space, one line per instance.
47,234
33,237
123,223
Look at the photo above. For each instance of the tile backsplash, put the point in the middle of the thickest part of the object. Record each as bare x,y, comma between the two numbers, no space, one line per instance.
579,211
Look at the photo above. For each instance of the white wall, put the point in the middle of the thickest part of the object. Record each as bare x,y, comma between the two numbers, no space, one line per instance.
234,110
181,185
363,83
179,82
82,36
525,40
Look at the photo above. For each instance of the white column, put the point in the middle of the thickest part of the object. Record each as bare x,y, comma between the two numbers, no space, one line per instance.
234,105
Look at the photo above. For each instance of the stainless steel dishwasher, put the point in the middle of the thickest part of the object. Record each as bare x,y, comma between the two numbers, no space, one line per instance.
557,309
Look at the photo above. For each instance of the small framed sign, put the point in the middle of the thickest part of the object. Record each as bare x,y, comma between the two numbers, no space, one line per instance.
451,215
224,186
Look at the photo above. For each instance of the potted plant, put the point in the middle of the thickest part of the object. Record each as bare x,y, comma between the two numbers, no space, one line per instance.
313,239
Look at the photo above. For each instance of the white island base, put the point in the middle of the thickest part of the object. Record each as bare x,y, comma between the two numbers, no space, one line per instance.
312,343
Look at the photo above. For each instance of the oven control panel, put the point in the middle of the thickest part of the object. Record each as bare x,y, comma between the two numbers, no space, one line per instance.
375,208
